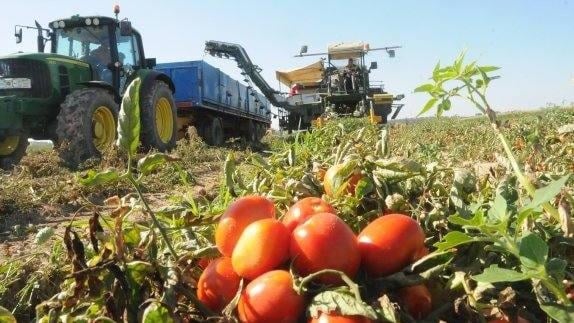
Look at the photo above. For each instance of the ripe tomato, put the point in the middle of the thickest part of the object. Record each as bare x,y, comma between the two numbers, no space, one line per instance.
303,209
218,284
417,300
263,245
270,298
390,243
324,241
333,173
337,318
239,215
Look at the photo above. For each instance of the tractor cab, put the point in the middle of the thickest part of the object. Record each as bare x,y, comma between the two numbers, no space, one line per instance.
111,47
346,73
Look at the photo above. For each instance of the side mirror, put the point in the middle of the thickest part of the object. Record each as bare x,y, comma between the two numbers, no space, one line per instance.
150,62
18,35
303,50
374,66
125,28
391,53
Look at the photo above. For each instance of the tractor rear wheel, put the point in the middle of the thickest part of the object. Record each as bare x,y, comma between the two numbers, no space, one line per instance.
87,125
159,118
12,149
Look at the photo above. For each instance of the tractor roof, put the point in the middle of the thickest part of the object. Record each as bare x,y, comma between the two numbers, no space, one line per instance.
82,21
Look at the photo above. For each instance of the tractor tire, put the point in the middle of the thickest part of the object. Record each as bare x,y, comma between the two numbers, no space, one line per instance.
158,118
87,125
12,149
214,133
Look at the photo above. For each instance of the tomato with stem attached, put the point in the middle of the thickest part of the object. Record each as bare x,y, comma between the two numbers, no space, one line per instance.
336,176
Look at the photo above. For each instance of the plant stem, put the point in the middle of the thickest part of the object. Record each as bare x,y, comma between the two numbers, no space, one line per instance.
556,290
523,179
354,287
153,218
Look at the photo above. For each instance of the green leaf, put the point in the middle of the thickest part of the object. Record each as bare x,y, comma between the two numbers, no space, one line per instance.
556,267
150,162
6,316
436,72
495,274
341,301
457,66
155,312
137,271
499,209
92,178
430,103
487,69
43,235
533,251
425,88
547,193
559,312
129,119
476,221
453,239
445,104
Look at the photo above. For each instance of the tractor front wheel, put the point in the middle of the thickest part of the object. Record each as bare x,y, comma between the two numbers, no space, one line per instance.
158,117
87,125
12,149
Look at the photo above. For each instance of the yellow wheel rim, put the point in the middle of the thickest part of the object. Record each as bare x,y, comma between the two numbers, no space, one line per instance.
103,128
164,120
9,145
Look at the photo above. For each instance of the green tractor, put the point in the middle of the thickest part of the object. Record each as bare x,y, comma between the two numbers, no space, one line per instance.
72,94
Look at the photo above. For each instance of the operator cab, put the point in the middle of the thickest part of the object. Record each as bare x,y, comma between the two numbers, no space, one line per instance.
111,47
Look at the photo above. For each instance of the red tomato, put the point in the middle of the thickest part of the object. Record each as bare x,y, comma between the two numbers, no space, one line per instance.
390,243
417,300
324,241
271,298
337,318
329,180
263,245
303,209
239,215
218,284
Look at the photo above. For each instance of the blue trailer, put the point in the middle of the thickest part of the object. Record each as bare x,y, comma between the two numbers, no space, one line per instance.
216,104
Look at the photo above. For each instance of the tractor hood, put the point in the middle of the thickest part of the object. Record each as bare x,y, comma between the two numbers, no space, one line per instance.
48,57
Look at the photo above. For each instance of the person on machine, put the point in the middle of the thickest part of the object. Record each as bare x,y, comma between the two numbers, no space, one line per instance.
100,58
349,73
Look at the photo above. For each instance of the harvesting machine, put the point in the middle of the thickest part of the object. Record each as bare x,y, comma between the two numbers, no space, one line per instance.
324,88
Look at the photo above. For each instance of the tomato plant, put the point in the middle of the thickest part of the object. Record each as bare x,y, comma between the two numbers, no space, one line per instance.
271,298
218,284
389,243
303,209
324,241
263,245
239,215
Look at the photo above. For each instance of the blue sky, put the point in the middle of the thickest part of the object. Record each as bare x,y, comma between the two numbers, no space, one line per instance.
530,39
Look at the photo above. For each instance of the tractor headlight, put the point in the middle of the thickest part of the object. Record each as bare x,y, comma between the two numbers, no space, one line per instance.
96,21
61,24
55,24
88,21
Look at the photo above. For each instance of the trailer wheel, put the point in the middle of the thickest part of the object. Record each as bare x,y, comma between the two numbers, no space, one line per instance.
87,125
252,131
158,117
12,149
215,135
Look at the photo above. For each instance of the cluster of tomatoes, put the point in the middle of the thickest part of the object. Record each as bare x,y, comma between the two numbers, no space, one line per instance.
258,247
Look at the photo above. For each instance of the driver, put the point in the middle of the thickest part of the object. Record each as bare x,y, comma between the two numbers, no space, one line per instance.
100,58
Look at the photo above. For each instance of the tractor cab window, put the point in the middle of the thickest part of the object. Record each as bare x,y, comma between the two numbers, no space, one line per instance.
128,54
90,44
